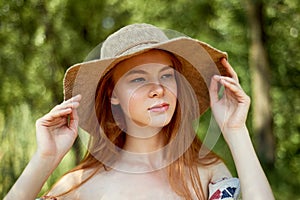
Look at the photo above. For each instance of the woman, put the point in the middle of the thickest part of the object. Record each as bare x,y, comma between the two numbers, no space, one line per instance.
138,102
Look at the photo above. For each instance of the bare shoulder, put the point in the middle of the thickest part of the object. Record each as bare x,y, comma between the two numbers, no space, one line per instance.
67,182
219,171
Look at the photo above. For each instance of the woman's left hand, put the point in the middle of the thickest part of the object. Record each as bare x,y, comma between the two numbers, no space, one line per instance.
230,110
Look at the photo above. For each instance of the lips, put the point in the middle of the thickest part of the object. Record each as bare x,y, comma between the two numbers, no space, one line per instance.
159,107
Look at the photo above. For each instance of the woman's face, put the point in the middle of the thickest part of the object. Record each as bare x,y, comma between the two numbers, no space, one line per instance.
146,89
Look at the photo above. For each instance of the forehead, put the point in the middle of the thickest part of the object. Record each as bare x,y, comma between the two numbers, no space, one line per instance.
152,56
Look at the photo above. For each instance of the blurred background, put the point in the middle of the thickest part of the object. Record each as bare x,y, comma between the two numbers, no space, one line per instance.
39,40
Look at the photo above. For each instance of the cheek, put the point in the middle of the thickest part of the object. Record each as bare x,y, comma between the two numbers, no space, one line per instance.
136,100
131,101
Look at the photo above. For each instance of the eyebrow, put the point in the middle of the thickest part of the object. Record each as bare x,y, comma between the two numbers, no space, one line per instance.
139,71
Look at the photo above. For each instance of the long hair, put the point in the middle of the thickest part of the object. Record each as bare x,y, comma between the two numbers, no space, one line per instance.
108,138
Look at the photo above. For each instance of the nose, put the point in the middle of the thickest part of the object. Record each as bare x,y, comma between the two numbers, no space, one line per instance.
156,90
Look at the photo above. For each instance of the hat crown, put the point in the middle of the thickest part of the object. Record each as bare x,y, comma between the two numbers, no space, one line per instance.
130,39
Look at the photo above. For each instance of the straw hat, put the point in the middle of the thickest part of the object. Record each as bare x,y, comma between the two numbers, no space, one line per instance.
200,62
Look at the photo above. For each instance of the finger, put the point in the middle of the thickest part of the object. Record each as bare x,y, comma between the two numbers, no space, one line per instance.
74,98
213,90
229,69
234,89
227,79
73,124
72,103
54,117
61,113
74,116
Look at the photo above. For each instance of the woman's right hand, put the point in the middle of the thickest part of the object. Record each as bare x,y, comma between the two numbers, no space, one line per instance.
57,130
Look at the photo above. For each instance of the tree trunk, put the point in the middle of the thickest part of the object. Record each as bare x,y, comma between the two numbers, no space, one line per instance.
260,74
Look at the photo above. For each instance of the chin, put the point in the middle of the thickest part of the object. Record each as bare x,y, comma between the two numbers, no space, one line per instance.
160,123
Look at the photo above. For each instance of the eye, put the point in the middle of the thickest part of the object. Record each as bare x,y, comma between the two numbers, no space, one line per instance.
137,80
167,76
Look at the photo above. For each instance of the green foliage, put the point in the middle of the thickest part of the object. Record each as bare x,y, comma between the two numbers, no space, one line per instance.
282,27
41,39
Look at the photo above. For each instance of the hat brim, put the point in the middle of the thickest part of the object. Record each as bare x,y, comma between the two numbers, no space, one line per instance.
200,62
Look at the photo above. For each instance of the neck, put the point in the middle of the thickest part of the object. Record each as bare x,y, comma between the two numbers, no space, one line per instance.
148,140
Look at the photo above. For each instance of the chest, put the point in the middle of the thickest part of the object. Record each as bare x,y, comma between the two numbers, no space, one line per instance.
118,185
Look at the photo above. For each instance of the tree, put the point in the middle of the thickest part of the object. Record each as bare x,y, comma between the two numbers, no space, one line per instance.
262,105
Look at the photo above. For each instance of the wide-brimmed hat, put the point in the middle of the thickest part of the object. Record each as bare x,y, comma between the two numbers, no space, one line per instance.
199,60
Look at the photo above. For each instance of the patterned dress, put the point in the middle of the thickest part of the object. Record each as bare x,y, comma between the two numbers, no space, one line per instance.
227,188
